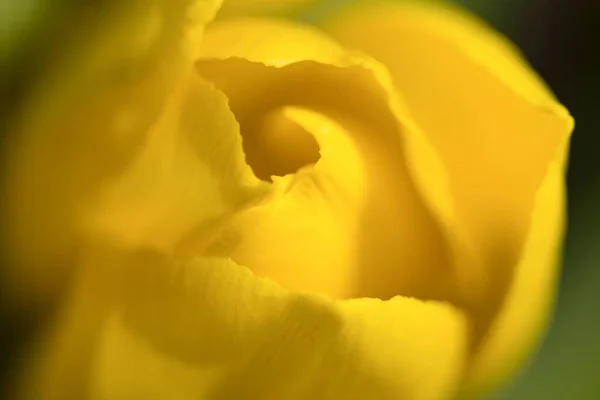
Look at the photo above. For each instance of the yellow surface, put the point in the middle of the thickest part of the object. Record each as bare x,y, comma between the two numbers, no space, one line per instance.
87,117
362,226
142,326
499,132
261,213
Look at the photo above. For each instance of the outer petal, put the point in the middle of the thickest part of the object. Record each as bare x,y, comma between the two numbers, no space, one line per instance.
85,118
524,315
365,228
138,326
497,129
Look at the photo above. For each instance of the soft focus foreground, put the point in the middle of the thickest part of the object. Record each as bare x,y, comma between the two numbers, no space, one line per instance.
258,210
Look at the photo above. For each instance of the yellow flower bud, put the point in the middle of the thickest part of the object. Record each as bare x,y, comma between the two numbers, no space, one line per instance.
267,210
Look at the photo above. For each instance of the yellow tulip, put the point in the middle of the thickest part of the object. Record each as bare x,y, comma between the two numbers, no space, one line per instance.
259,209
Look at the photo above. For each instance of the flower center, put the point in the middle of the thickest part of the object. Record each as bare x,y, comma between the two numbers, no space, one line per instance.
275,145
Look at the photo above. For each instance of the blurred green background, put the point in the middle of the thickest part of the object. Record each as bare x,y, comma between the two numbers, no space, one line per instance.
559,39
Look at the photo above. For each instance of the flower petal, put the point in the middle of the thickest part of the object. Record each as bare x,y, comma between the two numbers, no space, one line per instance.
497,129
525,312
189,175
364,228
84,119
209,328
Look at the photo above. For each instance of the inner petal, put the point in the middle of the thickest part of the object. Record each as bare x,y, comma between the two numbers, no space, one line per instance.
352,226
278,146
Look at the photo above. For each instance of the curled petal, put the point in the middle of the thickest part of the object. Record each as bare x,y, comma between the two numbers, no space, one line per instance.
365,229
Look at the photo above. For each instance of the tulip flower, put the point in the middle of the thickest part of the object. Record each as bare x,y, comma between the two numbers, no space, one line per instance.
230,205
